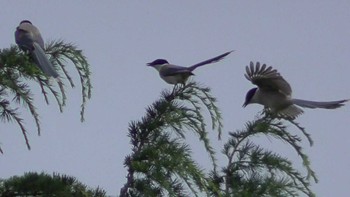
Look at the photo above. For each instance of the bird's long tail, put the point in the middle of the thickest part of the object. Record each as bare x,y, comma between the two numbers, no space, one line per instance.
209,61
316,104
43,62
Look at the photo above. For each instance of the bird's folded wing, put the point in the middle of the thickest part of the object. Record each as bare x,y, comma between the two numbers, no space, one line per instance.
267,78
171,70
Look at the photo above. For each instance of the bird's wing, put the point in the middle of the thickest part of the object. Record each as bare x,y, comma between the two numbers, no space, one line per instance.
170,70
209,61
267,78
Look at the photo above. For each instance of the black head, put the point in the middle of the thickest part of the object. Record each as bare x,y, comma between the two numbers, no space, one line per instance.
158,62
25,21
249,96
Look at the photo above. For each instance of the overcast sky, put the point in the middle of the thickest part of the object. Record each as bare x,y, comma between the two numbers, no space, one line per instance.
307,41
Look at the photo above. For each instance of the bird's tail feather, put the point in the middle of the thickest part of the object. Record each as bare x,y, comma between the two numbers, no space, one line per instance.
290,112
316,104
43,62
209,61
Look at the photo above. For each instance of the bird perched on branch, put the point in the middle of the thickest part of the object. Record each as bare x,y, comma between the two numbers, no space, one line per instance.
275,94
174,74
28,38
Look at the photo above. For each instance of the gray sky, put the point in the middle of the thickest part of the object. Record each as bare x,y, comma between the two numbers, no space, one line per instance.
307,41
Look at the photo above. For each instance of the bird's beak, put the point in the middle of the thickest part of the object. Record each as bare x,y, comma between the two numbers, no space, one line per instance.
148,64
244,104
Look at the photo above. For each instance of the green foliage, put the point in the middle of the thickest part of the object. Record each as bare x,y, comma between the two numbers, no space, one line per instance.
61,52
161,163
256,171
34,184
17,69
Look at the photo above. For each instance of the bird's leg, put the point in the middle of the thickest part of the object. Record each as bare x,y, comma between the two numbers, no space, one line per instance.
264,112
267,113
174,88
177,89
183,85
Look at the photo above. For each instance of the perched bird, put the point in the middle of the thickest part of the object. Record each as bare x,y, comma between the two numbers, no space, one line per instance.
275,94
28,38
174,74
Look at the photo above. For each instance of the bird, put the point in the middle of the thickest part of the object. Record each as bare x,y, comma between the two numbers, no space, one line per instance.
275,93
28,38
173,74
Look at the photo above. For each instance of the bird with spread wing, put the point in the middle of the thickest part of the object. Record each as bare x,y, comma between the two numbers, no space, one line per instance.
275,93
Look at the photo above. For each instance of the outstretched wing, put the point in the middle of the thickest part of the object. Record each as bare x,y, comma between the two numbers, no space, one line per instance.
209,61
267,78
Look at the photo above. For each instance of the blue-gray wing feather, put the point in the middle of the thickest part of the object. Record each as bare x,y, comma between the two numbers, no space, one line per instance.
171,70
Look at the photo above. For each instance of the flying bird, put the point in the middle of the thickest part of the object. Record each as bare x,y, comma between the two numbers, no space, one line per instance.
28,38
174,74
275,93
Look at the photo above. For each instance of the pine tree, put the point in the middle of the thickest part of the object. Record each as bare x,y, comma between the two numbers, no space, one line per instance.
161,163
43,184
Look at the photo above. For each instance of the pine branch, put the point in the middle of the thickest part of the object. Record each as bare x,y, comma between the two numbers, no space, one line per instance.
7,114
60,52
160,163
17,66
197,95
250,164
271,116
45,84
21,92
279,130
